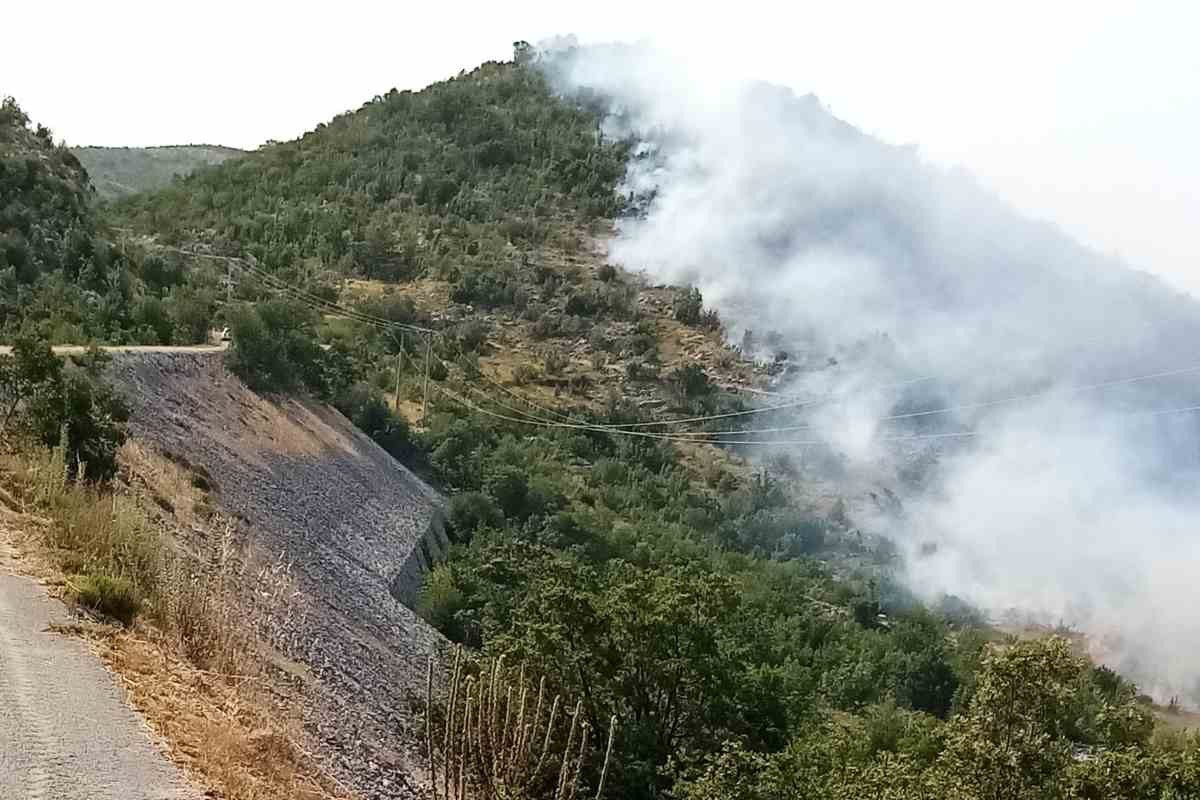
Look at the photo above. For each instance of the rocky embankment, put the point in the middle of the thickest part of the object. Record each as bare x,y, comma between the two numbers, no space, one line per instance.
355,528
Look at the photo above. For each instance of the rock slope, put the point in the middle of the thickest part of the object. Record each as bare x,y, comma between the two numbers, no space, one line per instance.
355,527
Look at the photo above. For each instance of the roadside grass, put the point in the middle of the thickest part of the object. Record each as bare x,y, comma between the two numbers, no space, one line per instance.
191,654
98,537
113,597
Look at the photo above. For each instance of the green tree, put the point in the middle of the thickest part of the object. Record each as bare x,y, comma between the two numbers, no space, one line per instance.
55,405
275,346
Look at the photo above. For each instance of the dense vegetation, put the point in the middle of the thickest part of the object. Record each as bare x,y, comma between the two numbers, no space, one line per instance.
66,406
737,665
65,275
460,177
687,603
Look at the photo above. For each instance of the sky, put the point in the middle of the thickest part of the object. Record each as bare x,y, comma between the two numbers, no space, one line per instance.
1082,113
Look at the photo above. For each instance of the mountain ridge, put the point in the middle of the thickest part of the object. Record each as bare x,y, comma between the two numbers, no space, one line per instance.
119,171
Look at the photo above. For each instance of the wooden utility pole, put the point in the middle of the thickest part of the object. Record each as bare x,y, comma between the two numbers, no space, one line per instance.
399,359
428,356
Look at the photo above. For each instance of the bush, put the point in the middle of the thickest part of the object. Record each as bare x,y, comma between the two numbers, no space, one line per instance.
690,381
72,407
113,597
688,306
510,489
554,362
547,326
440,600
275,347
581,304
607,273
470,511
639,371
365,407
524,374
472,336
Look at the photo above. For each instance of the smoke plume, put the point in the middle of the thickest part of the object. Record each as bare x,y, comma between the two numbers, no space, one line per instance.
1072,504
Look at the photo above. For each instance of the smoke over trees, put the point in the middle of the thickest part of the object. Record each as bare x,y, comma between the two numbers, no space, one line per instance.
1072,505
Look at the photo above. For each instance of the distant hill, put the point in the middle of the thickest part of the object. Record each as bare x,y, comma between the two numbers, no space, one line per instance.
120,171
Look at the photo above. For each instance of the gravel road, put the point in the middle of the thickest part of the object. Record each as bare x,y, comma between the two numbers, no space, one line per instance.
78,349
65,731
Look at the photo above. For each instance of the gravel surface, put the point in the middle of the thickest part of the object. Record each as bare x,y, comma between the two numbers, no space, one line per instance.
65,730
356,526
78,349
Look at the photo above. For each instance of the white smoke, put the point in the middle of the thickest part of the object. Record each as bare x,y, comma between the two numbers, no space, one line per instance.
1067,506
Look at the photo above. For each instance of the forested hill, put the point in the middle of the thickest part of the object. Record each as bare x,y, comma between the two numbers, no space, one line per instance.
58,271
120,171
409,181
746,633
463,176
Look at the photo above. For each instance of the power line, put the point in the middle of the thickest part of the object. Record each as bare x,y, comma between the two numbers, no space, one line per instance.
304,296
890,418
318,303
663,436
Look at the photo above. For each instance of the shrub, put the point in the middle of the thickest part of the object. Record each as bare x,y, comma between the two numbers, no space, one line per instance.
113,597
607,273
690,381
58,405
637,371
514,749
547,326
438,370
472,336
688,306
440,600
275,346
600,341
640,344
484,288
524,374
710,320
581,304
510,490
365,407
554,361
470,511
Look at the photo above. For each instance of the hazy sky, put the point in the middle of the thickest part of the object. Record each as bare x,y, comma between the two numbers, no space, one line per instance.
1086,113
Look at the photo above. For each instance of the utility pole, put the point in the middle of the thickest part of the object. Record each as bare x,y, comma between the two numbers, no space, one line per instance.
399,358
425,400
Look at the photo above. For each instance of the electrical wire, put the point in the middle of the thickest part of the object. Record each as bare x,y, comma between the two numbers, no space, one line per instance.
565,421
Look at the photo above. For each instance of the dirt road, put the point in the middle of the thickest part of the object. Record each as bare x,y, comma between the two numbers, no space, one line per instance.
78,349
65,731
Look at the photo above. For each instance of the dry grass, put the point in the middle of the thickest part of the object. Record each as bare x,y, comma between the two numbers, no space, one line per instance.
490,738
88,531
195,661
173,488
223,729
427,294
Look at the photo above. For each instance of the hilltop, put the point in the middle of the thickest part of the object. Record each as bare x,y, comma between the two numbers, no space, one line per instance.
120,171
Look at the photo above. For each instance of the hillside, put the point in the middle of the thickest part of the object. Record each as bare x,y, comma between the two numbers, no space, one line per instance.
63,273
119,171
689,536
355,529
